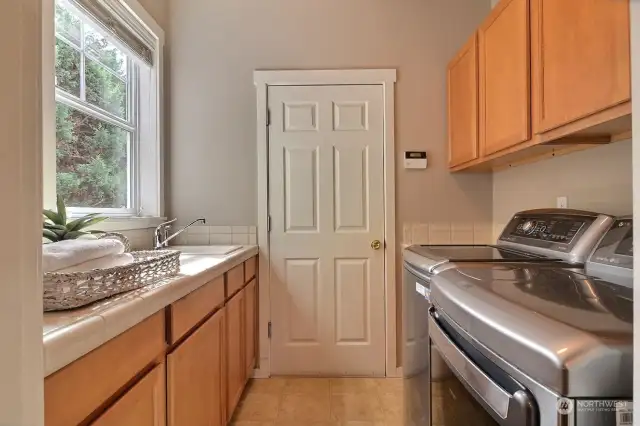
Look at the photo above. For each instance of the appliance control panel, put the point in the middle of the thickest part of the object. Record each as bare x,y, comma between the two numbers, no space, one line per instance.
563,234
557,230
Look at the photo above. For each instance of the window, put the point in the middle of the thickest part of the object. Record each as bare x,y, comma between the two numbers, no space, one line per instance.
107,109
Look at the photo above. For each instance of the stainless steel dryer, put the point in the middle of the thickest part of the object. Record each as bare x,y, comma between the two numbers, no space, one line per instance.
528,344
562,238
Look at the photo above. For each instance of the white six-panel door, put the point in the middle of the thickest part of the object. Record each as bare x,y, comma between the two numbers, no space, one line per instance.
326,202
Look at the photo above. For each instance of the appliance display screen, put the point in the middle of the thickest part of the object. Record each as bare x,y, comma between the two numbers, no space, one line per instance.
625,247
555,230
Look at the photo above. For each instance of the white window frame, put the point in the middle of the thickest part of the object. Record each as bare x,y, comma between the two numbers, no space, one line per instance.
147,194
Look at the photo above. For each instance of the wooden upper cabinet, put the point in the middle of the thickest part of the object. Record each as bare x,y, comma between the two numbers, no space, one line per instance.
142,405
504,74
581,59
462,104
196,377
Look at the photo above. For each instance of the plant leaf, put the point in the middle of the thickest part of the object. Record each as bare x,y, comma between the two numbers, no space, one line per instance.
95,232
90,222
52,216
53,226
74,235
50,235
62,210
76,225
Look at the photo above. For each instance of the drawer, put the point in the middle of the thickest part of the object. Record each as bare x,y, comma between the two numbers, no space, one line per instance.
250,267
187,312
235,280
75,392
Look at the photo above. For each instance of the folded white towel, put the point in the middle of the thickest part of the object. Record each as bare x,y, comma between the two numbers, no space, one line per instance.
63,254
106,262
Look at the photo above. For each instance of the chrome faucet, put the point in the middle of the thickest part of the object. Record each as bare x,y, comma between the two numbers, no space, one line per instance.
161,235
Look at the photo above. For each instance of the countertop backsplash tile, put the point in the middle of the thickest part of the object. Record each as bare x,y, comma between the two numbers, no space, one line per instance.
202,235
447,233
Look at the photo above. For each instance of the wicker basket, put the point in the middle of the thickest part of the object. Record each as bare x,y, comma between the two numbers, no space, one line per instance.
72,290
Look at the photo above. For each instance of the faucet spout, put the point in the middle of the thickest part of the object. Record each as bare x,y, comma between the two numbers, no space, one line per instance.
161,234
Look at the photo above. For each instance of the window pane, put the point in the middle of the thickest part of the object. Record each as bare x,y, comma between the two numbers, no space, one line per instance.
105,52
67,24
104,89
67,68
92,160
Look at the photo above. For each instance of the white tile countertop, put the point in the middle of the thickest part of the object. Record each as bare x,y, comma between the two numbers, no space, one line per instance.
68,335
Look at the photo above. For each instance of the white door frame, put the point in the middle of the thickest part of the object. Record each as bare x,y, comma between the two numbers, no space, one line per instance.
383,77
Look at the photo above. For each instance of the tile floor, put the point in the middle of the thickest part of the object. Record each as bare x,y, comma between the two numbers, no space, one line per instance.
321,402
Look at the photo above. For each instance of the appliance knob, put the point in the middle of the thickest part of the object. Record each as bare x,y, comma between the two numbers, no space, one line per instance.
529,227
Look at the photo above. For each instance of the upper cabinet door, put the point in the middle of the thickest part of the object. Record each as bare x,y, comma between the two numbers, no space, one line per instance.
581,58
462,88
505,79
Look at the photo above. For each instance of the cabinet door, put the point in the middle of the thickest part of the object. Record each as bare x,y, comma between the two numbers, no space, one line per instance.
462,104
504,52
581,58
142,405
236,366
250,326
196,377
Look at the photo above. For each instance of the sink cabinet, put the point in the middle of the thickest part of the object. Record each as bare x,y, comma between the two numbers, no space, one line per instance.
142,405
186,365
196,377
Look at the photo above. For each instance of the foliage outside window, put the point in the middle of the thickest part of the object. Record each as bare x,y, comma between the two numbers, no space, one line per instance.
96,115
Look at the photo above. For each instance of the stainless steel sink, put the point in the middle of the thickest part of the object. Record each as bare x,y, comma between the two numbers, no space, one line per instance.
210,250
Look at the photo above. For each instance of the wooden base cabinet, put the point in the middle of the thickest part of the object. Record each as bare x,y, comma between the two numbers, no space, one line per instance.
196,377
236,366
142,405
187,365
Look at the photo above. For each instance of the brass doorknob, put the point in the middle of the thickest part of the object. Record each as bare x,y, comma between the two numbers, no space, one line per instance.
376,244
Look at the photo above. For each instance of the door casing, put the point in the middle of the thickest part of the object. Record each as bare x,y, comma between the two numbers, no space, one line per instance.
385,78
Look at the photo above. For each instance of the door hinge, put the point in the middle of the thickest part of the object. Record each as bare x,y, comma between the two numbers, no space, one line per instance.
268,117
269,223
269,330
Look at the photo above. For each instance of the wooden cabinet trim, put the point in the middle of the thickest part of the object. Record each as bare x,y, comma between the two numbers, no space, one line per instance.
235,280
74,393
470,48
151,386
235,347
250,268
515,129
188,312
251,325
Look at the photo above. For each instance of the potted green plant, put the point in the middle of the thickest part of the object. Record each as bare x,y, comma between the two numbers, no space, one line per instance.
56,228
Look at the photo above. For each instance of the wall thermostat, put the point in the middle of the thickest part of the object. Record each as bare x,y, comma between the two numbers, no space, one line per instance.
415,159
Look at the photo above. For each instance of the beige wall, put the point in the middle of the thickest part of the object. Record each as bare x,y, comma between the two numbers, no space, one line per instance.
216,46
21,361
159,10
598,179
